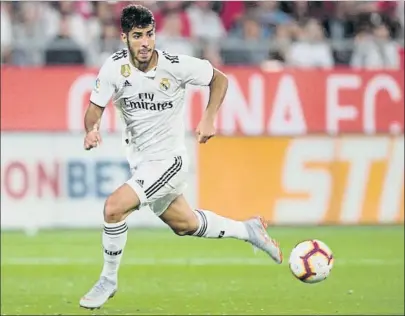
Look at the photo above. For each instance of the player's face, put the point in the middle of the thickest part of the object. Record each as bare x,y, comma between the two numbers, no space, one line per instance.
141,43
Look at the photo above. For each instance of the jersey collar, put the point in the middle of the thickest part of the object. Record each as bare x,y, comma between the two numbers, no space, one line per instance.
151,73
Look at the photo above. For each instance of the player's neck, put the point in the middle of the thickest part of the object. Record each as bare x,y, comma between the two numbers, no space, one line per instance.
145,67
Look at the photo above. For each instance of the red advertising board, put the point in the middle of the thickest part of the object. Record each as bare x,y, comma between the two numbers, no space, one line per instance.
292,102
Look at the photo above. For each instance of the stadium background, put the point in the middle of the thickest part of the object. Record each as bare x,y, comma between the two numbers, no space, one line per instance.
310,133
312,123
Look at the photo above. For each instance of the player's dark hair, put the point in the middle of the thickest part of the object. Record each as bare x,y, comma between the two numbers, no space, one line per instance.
136,16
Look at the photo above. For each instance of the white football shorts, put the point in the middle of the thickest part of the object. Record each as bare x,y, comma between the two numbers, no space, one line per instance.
157,183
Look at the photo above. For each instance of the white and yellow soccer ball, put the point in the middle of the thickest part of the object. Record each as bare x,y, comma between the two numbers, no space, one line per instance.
311,261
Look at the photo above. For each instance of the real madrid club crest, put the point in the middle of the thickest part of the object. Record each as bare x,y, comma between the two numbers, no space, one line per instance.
164,84
126,70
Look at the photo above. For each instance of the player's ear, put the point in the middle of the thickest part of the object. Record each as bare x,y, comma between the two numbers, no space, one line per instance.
124,37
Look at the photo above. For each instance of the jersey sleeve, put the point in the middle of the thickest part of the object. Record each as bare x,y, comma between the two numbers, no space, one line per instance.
104,87
195,71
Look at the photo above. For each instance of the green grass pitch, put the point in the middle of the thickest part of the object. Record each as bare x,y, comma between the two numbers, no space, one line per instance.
162,274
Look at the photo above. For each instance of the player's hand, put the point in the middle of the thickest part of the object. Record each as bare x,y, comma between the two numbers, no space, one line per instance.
92,139
205,130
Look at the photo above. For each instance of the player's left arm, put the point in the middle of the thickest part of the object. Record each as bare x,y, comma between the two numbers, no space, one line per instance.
201,73
218,87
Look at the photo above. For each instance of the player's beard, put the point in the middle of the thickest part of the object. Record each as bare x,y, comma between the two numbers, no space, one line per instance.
141,65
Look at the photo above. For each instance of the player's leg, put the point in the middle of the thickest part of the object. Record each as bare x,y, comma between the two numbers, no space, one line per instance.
116,209
147,178
183,220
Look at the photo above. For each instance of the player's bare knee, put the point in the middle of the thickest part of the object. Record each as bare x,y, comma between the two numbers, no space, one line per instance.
113,213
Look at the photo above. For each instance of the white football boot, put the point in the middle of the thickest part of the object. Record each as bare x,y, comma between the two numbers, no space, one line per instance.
259,238
99,294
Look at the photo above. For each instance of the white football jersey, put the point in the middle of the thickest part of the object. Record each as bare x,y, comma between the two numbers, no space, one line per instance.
151,104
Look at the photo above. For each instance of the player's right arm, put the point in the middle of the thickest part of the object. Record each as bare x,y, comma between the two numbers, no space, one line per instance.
92,117
100,96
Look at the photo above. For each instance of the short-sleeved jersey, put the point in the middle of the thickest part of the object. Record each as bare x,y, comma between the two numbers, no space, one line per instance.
151,104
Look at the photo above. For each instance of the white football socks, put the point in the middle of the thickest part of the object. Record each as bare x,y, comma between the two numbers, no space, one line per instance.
215,226
114,240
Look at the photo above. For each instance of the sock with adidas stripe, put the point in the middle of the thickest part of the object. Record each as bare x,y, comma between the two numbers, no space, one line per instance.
114,240
213,225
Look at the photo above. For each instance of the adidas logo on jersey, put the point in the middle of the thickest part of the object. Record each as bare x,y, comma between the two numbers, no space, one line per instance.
127,84
140,182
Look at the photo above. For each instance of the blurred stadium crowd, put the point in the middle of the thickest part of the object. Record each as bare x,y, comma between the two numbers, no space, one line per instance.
270,34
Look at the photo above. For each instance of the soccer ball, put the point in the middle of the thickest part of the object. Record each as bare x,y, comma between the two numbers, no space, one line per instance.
311,261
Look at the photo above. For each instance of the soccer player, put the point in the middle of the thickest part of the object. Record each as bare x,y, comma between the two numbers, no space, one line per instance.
147,86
